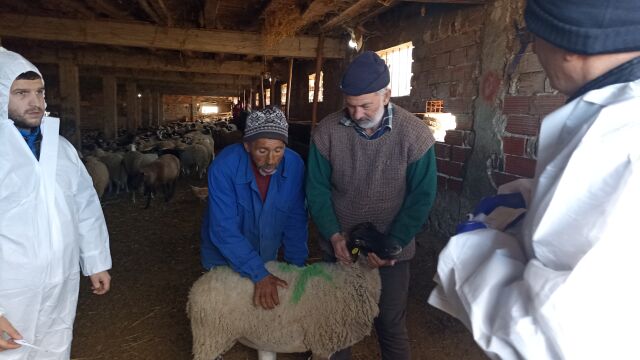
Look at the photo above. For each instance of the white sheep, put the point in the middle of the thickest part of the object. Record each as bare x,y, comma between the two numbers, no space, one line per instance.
327,307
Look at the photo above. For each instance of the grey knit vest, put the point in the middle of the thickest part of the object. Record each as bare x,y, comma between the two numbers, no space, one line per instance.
368,177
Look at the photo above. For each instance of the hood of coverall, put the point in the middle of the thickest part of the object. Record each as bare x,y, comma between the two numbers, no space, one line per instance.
11,65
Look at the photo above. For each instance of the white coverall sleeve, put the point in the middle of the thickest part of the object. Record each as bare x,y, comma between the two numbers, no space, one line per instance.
521,309
92,229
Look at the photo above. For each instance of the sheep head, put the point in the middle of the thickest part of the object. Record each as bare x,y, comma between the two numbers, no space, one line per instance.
365,238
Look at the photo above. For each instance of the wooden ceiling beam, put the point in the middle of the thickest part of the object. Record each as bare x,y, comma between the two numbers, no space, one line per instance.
181,89
149,36
477,2
151,12
115,59
108,9
355,10
176,77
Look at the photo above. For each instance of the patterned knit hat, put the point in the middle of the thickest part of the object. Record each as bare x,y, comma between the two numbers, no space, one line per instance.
267,123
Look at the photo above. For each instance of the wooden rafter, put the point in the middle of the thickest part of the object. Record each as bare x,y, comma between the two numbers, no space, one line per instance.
175,77
108,9
148,36
151,12
355,10
140,61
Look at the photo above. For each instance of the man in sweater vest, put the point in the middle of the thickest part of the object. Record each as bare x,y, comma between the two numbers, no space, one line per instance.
373,161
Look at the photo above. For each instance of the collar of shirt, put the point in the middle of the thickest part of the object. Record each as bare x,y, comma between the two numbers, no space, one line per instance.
386,124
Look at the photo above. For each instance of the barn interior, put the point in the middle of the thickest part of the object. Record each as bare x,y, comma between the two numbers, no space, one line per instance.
152,67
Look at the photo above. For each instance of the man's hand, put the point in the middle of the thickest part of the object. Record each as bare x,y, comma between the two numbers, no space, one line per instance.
339,243
6,327
100,282
265,292
375,262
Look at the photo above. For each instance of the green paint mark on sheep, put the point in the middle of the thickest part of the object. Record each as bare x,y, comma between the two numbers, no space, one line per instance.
305,273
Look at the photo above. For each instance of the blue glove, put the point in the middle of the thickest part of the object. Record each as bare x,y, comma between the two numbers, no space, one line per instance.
487,206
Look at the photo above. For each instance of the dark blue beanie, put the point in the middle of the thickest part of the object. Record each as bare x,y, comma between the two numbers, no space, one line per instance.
366,74
586,26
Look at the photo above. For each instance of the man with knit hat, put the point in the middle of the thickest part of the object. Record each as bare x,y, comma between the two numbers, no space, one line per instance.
373,162
256,205
563,285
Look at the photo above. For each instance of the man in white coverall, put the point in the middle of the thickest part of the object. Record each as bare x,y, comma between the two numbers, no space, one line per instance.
563,284
50,222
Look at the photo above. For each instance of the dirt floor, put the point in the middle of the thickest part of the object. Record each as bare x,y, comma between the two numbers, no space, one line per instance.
156,259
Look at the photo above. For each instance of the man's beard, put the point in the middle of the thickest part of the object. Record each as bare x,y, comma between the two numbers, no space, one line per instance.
21,121
366,122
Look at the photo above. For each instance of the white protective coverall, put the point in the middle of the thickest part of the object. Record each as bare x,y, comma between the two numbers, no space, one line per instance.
51,224
565,285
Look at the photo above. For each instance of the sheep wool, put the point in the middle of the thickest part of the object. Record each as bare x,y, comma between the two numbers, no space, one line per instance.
326,307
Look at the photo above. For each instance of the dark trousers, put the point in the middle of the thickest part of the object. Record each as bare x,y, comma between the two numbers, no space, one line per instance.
391,323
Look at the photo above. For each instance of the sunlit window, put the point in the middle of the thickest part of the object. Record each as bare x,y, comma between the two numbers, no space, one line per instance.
209,109
257,99
267,97
399,59
283,94
312,80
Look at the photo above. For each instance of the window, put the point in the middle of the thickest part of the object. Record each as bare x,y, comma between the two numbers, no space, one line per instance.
257,99
439,121
283,94
209,109
267,97
399,59
312,80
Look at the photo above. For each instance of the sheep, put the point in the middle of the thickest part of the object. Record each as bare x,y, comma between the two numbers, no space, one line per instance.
99,174
134,161
327,307
195,157
117,172
163,173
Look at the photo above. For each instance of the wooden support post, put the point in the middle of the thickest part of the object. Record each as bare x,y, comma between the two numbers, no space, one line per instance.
262,91
316,83
70,102
132,102
110,109
194,109
156,107
147,108
289,83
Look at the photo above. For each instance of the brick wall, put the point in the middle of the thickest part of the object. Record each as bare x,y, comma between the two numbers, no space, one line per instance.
449,72
528,100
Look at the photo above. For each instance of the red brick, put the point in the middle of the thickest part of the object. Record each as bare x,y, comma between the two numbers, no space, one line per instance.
458,57
460,154
443,151
501,178
516,105
543,105
454,137
449,168
520,166
523,124
454,184
442,60
442,183
513,145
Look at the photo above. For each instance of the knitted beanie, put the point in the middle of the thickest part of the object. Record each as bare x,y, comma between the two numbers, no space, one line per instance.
586,26
366,74
269,123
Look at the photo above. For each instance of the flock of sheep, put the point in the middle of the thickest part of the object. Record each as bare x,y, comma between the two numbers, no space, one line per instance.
152,160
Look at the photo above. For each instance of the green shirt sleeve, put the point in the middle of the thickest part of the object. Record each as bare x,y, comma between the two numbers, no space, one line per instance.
420,194
319,193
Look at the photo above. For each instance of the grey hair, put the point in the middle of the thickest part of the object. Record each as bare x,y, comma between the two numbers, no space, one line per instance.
383,90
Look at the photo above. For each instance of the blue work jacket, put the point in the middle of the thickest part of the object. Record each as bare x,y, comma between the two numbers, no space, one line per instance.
241,231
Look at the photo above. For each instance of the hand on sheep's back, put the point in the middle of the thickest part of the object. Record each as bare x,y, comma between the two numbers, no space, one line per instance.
265,292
